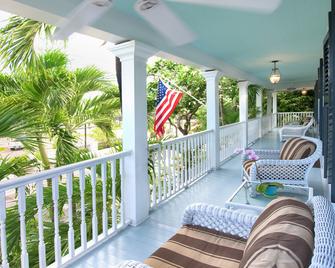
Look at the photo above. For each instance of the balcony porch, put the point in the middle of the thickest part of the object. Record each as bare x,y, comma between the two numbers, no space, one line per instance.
137,243
105,210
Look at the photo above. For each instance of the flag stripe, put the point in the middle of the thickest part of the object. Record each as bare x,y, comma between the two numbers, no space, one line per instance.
164,103
169,109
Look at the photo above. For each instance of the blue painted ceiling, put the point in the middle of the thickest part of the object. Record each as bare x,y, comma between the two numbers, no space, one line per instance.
248,41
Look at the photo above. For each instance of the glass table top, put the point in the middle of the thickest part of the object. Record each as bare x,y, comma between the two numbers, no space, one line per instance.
247,195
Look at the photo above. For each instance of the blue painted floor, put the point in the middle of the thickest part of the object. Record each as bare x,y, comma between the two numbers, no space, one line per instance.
137,243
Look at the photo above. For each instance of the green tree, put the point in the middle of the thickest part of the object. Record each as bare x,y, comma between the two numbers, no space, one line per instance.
295,102
187,78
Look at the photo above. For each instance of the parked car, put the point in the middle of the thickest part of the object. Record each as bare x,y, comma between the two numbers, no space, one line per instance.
15,145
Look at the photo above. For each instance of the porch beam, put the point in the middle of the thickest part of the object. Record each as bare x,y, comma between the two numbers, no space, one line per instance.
133,56
213,121
243,109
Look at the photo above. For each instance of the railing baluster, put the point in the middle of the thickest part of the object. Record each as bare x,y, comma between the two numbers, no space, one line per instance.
169,170
164,168
199,156
193,158
41,244
177,166
22,211
181,169
202,155
185,163
83,231
122,191
114,214
3,233
104,199
159,179
153,193
94,204
209,161
173,147
189,161
57,239
69,191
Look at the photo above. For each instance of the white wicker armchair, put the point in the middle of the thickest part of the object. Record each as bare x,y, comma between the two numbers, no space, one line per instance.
240,224
294,131
269,168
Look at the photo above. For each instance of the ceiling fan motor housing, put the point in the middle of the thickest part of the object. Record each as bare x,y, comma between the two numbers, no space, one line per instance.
102,3
144,5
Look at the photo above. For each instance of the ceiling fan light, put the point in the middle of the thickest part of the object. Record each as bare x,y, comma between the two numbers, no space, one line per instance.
275,74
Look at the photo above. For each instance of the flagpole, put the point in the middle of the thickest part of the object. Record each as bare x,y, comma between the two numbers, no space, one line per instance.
180,89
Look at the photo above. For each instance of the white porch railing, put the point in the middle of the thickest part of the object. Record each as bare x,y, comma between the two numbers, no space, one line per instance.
253,130
231,138
177,163
82,200
281,119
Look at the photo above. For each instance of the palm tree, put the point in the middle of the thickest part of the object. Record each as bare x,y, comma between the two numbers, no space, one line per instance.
56,96
42,101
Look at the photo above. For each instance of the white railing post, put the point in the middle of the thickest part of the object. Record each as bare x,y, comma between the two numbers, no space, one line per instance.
213,123
274,108
41,244
243,107
259,106
3,234
22,211
133,56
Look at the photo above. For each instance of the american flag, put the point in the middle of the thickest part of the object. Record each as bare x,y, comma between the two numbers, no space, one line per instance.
167,100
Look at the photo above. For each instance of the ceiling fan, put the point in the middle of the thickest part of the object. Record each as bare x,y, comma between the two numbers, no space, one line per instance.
153,11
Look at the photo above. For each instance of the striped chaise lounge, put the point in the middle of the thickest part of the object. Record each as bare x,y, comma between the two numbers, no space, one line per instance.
288,233
290,165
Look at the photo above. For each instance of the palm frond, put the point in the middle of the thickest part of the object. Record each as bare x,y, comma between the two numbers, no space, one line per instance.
17,41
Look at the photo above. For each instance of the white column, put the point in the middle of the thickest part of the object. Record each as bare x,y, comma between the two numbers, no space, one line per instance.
259,106
274,108
269,106
133,56
243,99
268,102
213,123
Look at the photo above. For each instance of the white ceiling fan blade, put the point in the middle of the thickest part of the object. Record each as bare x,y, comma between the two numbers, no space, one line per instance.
164,21
262,6
84,14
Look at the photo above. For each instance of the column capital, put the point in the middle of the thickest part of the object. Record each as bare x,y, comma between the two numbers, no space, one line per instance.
129,50
211,74
242,84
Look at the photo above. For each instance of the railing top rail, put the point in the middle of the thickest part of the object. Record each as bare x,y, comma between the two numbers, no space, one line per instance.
156,145
231,125
25,180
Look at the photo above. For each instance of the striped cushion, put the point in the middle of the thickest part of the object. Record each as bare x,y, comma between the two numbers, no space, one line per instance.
282,236
297,148
247,165
196,247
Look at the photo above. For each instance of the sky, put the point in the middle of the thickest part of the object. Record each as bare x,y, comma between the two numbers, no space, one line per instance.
82,50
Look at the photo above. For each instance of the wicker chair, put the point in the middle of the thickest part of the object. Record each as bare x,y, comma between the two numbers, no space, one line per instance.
269,168
294,131
240,224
